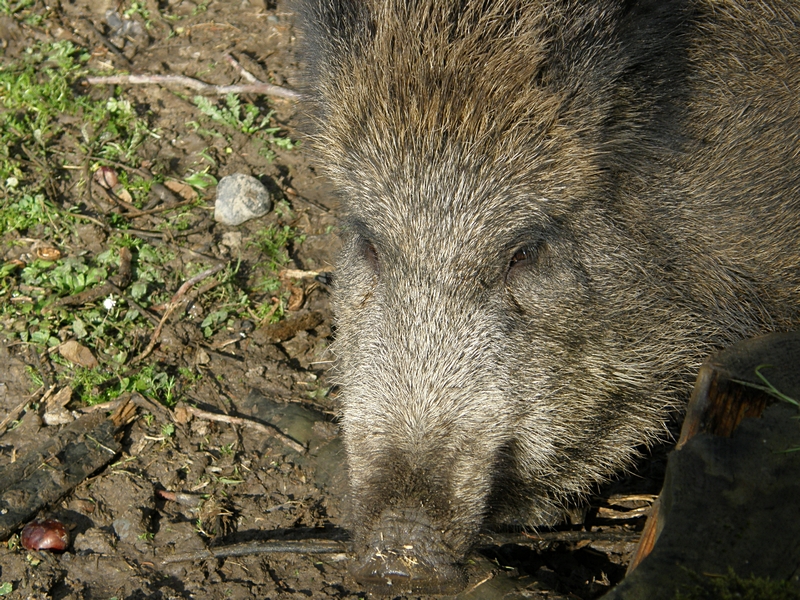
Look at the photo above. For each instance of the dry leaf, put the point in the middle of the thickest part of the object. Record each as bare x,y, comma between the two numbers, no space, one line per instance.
181,414
78,354
123,194
48,253
183,190
296,298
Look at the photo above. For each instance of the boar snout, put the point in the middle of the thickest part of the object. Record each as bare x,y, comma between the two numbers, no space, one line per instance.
406,554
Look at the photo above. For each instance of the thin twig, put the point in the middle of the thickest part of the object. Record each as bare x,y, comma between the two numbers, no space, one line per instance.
199,86
17,410
159,209
270,430
196,279
297,274
242,71
522,538
132,211
99,223
142,233
172,305
144,173
265,547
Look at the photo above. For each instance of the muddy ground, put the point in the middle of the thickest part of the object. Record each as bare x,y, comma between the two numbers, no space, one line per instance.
183,482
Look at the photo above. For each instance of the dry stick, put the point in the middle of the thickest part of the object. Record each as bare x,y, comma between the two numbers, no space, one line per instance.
159,209
269,430
298,274
204,88
98,222
145,174
132,211
172,305
142,233
324,546
108,229
271,546
566,536
87,176
242,71
17,410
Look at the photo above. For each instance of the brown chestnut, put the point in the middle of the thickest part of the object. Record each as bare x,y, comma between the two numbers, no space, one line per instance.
45,534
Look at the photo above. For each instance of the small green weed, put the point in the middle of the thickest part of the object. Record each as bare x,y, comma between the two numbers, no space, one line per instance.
29,293
247,119
200,180
8,7
98,385
138,8
274,242
20,10
226,450
31,210
189,376
200,8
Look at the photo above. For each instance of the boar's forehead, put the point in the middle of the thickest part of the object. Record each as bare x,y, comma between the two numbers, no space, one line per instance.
440,204
430,98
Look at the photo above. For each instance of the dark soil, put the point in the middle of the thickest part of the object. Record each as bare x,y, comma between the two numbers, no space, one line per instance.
183,483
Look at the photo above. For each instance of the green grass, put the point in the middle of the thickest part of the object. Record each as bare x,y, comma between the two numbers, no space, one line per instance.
39,107
112,329
274,243
733,587
768,388
20,10
54,133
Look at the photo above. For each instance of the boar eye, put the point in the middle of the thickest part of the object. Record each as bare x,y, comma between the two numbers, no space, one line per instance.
526,258
521,256
371,256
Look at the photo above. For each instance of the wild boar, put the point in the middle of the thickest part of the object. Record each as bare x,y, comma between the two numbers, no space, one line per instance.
553,211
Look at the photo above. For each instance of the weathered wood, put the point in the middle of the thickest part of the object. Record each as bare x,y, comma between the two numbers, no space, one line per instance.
729,389
49,472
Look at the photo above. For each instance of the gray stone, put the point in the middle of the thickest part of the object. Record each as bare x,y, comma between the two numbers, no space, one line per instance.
240,198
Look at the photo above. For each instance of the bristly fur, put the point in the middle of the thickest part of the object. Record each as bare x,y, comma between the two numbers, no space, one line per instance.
554,209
